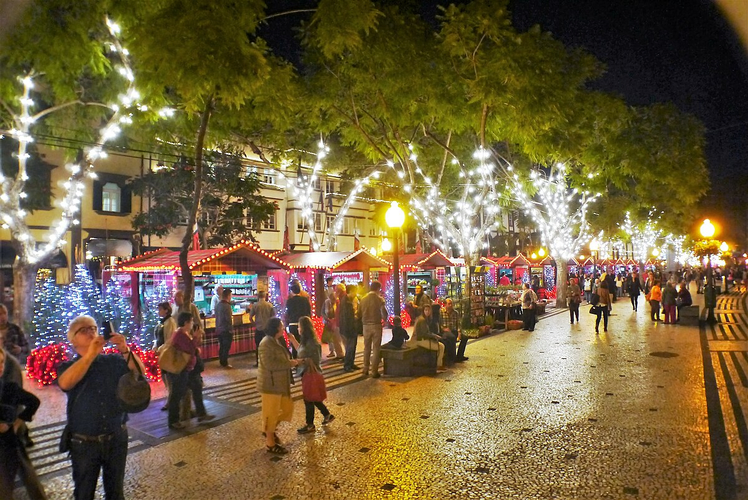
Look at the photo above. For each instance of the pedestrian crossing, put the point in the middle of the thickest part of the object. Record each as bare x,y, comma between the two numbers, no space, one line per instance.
45,454
725,353
49,462
245,391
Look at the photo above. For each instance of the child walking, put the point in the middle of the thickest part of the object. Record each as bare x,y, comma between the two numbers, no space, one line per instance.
311,352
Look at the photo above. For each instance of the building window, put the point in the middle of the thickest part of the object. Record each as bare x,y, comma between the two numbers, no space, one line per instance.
330,186
317,184
111,195
300,222
269,176
347,226
270,223
318,222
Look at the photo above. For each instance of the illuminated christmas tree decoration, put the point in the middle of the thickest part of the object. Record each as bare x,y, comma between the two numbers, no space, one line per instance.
644,236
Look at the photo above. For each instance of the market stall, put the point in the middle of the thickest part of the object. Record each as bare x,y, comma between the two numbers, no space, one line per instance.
243,268
424,269
350,268
510,270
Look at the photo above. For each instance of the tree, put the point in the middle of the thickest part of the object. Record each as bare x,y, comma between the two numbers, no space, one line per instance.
560,216
230,208
212,68
644,236
63,68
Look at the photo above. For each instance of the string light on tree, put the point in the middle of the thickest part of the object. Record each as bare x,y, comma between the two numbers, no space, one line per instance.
336,227
560,215
302,189
12,189
643,237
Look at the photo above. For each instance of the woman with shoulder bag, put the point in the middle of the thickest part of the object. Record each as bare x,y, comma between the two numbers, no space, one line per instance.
310,352
603,307
575,298
162,334
189,378
274,382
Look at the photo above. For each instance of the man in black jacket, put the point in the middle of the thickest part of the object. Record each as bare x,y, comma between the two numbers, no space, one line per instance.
296,307
347,324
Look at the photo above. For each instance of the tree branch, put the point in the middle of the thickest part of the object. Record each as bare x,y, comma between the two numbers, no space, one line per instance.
483,119
288,12
52,109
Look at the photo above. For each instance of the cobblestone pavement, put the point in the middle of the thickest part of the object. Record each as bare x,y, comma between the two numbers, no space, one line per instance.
644,411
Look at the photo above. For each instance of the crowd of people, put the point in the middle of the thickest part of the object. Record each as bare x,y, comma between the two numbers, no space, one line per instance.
668,292
96,432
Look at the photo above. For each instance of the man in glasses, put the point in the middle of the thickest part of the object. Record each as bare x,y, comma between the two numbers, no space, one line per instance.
95,420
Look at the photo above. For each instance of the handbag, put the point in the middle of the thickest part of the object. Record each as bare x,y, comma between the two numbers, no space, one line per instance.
133,390
593,310
327,334
171,359
313,384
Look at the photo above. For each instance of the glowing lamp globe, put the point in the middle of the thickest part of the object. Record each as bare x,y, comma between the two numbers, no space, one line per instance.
707,229
386,245
534,255
724,247
655,252
594,245
395,217
541,252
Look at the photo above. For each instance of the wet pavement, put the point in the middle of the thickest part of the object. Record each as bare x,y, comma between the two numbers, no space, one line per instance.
555,413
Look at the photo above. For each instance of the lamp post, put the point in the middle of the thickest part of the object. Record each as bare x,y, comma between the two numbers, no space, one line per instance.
710,297
395,218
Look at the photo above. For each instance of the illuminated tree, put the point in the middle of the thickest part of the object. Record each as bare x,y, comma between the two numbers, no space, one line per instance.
644,236
69,86
560,214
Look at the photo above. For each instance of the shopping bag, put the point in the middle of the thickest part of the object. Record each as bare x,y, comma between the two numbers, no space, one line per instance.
313,385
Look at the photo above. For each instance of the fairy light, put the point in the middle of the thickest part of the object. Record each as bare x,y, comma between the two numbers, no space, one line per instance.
337,224
12,190
562,230
302,189
644,236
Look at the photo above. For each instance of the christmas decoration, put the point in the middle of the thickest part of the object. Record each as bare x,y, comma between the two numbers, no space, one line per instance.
42,363
644,237
161,292
319,325
563,229
337,224
404,319
302,189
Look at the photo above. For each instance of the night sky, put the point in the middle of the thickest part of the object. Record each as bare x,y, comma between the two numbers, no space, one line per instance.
679,51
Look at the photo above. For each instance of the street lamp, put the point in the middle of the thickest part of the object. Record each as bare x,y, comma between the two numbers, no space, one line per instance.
386,245
724,247
594,247
395,217
541,252
710,297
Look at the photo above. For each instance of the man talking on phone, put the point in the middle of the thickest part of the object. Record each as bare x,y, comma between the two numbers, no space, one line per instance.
98,434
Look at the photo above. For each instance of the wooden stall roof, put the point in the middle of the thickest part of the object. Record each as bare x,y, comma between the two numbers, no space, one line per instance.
572,262
424,260
359,260
507,261
544,261
196,259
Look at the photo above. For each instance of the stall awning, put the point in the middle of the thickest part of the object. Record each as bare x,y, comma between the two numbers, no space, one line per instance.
507,261
359,260
424,260
166,260
572,262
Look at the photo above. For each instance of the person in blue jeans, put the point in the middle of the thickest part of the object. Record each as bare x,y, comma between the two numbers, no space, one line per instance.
96,422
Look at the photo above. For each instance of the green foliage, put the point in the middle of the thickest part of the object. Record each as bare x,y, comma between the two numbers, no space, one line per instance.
705,248
230,207
340,24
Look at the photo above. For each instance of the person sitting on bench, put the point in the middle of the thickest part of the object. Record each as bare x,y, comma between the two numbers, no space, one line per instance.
399,335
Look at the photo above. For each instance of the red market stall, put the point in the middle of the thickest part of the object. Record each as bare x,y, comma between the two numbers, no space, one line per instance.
422,269
513,268
243,268
350,268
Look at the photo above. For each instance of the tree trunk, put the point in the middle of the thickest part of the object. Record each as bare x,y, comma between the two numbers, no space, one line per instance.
562,269
467,314
24,280
189,282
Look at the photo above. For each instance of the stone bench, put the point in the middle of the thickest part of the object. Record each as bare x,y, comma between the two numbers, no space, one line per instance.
409,362
689,315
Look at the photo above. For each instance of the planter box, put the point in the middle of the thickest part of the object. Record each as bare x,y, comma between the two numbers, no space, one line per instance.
514,324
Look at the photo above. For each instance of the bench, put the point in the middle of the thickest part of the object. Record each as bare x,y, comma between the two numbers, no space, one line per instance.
409,362
689,315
